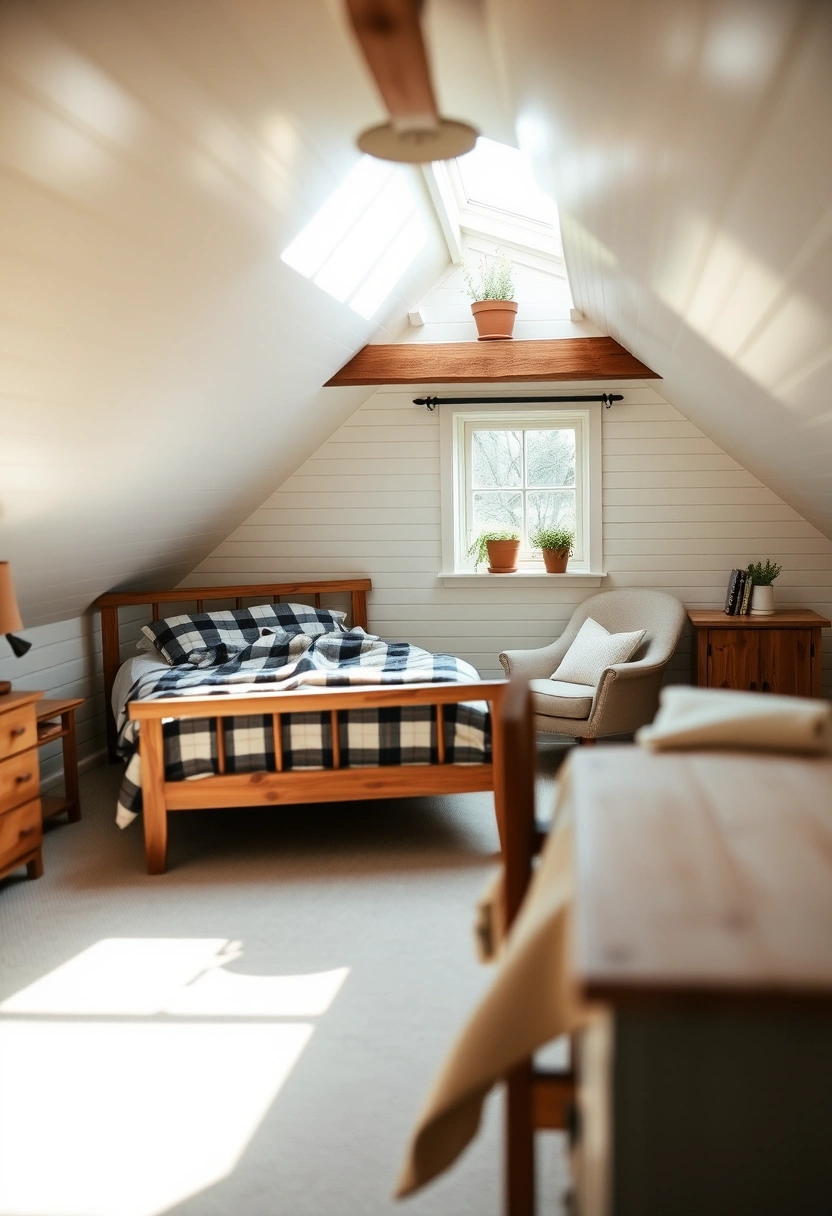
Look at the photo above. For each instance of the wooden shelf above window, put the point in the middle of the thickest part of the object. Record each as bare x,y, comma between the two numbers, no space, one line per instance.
469,362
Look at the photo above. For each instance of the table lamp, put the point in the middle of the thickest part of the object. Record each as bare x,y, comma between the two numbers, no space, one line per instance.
10,619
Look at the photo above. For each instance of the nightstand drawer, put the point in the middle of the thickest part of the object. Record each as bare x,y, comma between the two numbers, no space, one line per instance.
20,832
18,730
19,779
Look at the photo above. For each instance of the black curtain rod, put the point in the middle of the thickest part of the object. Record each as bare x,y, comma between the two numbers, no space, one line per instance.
432,402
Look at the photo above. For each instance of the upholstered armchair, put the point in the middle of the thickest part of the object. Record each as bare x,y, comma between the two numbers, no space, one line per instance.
627,695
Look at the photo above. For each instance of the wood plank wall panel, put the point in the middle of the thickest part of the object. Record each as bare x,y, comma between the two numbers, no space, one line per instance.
65,661
678,514
541,287
693,190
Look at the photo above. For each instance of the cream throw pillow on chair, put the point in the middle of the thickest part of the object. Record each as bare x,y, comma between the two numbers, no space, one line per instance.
593,650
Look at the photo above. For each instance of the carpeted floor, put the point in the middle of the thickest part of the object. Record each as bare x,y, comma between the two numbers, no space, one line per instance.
152,1060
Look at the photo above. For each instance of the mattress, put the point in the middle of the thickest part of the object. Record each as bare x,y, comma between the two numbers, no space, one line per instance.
126,677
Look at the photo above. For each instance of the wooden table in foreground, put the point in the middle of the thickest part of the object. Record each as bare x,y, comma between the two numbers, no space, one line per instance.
779,653
703,918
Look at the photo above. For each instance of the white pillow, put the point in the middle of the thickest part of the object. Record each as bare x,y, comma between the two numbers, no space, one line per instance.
148,646
593,650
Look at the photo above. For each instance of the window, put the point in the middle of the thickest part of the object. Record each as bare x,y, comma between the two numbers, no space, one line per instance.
521,470
491,192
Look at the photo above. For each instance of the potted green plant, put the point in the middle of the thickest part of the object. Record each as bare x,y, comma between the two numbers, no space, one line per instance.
492,293
762,591
500,549
556,544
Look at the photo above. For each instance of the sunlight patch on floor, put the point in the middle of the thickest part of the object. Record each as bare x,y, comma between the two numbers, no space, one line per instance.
127,1120
127,1116
143,976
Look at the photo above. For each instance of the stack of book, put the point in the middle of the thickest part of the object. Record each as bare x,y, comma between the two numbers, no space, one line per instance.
738,595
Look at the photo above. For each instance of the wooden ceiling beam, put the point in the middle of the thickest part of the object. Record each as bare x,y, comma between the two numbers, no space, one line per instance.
479,362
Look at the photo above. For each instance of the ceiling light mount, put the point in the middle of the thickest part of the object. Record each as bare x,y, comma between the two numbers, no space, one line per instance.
444,140
389,34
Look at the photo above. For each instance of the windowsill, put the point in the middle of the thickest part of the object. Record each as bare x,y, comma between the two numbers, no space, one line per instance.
467,578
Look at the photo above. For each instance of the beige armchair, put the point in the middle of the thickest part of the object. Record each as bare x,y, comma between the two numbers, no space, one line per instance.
627,695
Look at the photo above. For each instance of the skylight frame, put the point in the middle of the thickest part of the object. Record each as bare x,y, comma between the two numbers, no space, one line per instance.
459,213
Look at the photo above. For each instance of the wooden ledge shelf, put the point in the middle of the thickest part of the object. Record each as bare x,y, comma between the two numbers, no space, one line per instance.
468,362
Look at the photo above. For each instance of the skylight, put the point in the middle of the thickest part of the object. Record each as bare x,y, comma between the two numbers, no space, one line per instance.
361,241
499,177
492,192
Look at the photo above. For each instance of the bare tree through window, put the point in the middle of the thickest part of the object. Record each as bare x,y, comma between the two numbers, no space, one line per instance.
522,479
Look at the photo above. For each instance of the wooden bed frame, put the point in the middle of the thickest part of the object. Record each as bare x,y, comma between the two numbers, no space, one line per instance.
273,788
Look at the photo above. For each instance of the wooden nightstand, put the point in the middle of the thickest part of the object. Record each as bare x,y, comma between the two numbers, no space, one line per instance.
779,653
21,831
56,720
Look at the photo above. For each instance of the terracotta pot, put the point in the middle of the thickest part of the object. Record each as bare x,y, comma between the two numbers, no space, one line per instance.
502,556
495,318
555,560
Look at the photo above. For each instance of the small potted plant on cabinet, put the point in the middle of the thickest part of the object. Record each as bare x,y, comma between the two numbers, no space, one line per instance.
556,544
500,549
762,591
492,293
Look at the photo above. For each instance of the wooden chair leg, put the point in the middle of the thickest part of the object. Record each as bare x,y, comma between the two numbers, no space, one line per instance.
519,1143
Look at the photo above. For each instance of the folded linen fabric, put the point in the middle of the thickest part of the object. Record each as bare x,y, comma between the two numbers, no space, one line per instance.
721,717
533,999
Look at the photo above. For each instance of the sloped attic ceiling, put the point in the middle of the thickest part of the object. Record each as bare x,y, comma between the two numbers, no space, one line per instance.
160,367
688,146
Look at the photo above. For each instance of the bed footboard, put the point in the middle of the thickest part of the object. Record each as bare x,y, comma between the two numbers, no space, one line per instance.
159,797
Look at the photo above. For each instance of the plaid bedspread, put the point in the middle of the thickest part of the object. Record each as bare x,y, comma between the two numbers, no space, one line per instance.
283,662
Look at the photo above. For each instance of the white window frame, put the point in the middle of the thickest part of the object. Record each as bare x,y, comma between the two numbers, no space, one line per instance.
455,423
458,214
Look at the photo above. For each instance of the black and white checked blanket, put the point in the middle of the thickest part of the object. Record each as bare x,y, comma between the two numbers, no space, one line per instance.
280,662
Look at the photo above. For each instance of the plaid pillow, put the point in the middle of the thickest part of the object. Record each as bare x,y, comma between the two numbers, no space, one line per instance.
212,638
300,618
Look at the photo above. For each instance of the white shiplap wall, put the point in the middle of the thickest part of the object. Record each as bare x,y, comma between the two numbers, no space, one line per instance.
678,514
694,198
158,361
65,661
541,287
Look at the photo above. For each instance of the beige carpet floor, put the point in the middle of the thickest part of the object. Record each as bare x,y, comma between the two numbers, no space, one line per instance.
152,1059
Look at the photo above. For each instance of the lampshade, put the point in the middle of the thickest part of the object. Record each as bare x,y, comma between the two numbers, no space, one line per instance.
9,611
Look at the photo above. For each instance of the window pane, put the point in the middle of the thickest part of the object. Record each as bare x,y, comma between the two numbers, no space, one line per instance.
494,511
552,509
550,457
497,459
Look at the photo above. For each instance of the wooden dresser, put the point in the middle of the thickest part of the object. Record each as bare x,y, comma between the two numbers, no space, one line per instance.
21,832
779,653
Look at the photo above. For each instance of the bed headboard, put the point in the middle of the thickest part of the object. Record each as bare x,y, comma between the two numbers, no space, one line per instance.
110,603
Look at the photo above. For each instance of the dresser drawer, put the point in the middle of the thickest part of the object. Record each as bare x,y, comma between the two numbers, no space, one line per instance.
19,779
18,730
21,831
